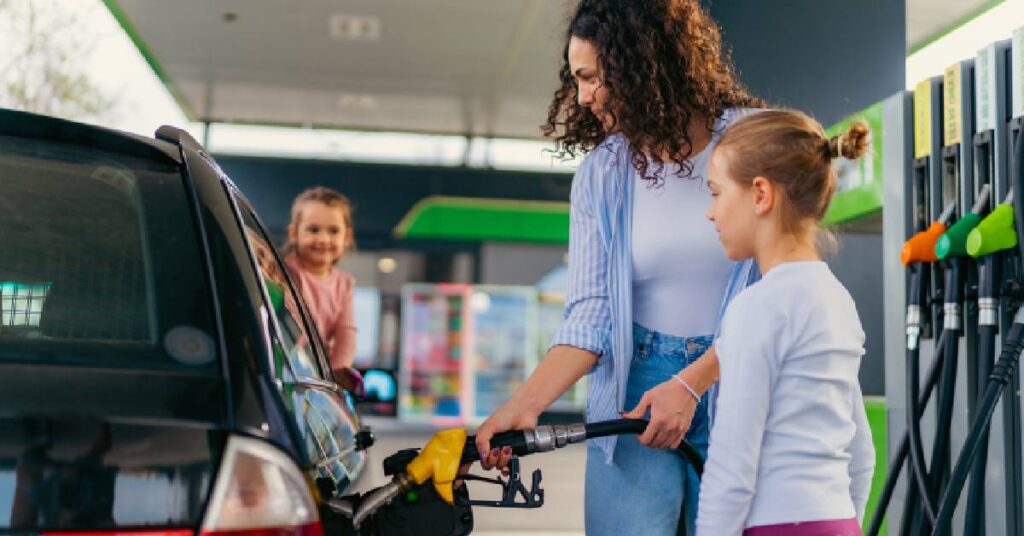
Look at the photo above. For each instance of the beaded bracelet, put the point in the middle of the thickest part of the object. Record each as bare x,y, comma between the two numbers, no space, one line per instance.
688,388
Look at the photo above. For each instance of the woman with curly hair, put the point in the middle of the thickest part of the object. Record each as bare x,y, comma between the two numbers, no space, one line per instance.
645,92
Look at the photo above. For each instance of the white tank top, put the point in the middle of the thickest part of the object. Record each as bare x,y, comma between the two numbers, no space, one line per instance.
680,271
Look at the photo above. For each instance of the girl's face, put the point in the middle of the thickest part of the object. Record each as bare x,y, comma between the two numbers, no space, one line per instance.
590,89
320,235
732,209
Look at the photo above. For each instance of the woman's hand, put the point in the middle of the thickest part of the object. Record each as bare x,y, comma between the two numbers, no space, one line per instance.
672,408
511,416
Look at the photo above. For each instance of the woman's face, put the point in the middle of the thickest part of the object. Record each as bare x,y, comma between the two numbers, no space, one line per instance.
590,90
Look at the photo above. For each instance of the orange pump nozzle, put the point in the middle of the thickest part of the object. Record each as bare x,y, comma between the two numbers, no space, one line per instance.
921,247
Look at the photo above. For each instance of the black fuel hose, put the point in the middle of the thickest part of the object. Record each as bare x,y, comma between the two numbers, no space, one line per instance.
974,521
988,276
529,442
1001,375
637,426
904,447
939,470
914,410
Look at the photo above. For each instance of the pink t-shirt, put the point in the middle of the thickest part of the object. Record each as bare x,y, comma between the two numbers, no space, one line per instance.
329,299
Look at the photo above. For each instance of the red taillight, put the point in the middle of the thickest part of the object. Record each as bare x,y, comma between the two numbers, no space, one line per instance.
176,532
312,529
259,491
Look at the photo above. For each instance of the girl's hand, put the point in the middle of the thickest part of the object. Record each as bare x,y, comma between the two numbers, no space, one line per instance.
510,416
672,408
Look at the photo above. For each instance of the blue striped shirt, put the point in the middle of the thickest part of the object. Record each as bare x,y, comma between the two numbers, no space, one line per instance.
598,306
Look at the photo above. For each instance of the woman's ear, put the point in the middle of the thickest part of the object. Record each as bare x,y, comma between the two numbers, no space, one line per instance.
764,195
292,232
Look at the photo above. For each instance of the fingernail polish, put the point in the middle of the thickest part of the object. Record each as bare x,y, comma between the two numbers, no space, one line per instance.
506,450
494,452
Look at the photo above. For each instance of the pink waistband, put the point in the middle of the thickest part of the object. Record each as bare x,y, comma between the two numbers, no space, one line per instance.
831,527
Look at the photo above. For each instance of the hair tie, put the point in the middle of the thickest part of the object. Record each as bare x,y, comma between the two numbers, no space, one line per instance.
839,145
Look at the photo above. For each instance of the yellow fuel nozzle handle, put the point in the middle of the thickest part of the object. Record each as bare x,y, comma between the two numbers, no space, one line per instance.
439,460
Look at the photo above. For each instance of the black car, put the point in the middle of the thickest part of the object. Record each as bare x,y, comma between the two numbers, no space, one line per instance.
158,369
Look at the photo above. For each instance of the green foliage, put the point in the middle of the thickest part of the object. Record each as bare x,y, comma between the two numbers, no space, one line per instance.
41,62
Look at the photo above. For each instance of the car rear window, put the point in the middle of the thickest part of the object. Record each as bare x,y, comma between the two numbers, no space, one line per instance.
99,261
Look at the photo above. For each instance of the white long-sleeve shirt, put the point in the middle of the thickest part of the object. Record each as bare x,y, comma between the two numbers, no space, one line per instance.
791,441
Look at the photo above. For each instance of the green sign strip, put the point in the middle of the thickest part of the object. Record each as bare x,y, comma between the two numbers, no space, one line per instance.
147,54
860,181
460,218
875,409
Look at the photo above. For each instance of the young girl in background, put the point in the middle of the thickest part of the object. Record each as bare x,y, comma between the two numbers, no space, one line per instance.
319,235
791,450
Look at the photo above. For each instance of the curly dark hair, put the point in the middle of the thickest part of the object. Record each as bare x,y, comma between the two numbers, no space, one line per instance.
662,65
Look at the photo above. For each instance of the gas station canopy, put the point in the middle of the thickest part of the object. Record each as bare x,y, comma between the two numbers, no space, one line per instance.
481,68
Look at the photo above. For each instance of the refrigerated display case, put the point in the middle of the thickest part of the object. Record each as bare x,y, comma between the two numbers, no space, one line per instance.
550,313
435,323
502,341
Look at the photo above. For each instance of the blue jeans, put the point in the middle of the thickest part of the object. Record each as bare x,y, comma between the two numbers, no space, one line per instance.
641,491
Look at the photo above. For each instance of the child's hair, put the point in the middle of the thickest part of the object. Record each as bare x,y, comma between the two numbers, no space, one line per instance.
793,152
331,198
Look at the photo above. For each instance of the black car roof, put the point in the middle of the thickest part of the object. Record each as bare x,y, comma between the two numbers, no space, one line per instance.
35,126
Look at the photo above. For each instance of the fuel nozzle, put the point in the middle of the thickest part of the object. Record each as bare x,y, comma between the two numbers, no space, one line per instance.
543,438
953,243
995,233
921,246
439,460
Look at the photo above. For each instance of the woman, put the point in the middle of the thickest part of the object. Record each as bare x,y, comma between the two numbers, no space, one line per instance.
644,89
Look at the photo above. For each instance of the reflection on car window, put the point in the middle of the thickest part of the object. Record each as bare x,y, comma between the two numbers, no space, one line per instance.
297,348
331,437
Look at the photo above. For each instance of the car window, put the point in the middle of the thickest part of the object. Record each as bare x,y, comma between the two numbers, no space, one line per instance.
297,344
99,261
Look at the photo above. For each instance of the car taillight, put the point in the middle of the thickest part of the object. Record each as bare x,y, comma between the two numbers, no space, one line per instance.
259,492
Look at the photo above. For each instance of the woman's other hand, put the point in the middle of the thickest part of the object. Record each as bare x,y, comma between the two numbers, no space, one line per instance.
672,408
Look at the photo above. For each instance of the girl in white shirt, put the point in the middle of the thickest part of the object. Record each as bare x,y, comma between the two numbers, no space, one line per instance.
791,450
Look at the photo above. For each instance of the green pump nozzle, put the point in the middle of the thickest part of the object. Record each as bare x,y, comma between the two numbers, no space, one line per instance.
994,233
954,242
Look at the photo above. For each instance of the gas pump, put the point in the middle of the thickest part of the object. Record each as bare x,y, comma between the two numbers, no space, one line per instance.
989,149
995,480
931,214
959,304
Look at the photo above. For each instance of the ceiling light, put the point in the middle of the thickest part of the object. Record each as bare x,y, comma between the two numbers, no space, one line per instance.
358,28
387,265
480,302
353,100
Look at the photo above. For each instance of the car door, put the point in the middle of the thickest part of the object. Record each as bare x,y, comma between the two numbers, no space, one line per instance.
323,411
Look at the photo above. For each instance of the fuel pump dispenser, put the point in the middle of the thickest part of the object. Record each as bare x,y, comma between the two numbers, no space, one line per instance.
995,481
959,310
924,314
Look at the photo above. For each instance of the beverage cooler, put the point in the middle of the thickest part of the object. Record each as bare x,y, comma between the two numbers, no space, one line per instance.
436,324
465,348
